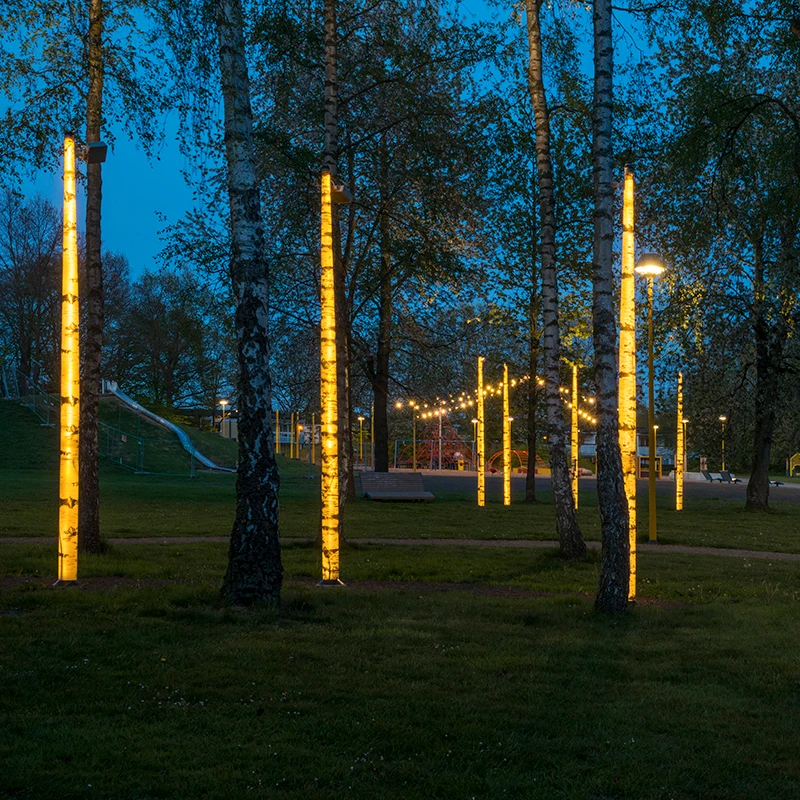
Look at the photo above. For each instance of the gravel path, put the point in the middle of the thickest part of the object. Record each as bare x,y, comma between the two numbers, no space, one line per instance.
525,544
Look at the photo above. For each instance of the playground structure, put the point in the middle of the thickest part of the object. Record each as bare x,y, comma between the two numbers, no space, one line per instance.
439,447
793,466
521,458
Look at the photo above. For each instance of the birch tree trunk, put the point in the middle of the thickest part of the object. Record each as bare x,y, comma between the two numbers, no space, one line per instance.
330,161
571,544
89,540
255,572
612,593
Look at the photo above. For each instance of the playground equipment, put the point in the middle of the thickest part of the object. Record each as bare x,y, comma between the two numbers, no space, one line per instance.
793,466
110,387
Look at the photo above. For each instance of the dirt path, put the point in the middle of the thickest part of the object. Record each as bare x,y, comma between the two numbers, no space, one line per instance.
525,544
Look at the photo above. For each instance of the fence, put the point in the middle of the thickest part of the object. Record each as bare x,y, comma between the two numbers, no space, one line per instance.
144,455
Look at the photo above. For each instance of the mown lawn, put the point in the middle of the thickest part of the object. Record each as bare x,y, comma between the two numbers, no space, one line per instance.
448,672
409,692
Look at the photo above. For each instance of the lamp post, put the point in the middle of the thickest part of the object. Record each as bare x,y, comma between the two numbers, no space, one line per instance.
574,434
70,379
481,438
372,436
650,266
361,440
506,441
439,414
277,432
723,419
222,404
680,448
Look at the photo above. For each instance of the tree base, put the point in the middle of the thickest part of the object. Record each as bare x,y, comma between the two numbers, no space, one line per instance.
336,583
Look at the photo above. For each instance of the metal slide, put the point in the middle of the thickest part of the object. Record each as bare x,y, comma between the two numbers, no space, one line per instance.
110,387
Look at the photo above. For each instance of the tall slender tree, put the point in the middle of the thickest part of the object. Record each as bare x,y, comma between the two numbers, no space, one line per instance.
255,572
612,593
89,540
571,542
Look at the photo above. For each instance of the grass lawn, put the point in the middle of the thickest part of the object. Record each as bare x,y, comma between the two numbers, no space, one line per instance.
450,672
400,693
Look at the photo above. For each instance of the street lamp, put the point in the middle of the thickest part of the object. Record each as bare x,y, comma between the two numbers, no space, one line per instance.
650,266
361,440
222,404
723,419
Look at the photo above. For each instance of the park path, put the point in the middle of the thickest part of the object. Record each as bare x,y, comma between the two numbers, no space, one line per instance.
524,544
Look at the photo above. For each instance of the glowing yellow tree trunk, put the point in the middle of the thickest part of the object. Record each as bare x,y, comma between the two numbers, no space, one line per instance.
330,409
481,439
70,379
680,449
574,434
627,372
506,441
277,432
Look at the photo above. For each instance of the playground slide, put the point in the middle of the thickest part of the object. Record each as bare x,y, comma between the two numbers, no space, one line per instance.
111,387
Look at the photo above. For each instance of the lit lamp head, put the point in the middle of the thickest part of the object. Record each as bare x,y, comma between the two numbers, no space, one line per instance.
475,421
723,418
223,403
361,419
650,265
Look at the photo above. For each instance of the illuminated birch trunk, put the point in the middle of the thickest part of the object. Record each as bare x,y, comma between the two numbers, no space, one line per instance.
329,395
571,544
481,438
506,440
255,572
680,448
69,428
612,591
627,371
574,434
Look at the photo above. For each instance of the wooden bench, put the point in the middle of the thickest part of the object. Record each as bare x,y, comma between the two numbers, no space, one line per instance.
394,487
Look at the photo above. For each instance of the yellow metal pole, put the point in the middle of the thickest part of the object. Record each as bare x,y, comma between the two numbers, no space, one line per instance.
680,448
627,372
481,442
70,379
291,435
651,419
277,431
506,441
574,432
330,410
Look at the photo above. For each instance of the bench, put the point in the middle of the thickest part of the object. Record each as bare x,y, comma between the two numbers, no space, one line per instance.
729,477
775,483
709,477
394,487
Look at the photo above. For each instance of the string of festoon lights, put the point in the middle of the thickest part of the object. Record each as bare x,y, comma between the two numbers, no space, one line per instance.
463,401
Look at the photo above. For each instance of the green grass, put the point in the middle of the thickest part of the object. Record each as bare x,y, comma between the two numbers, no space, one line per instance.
425,678
160,692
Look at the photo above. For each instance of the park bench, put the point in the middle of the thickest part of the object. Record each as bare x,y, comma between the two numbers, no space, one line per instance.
729,477
394,487
709,477
775,483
